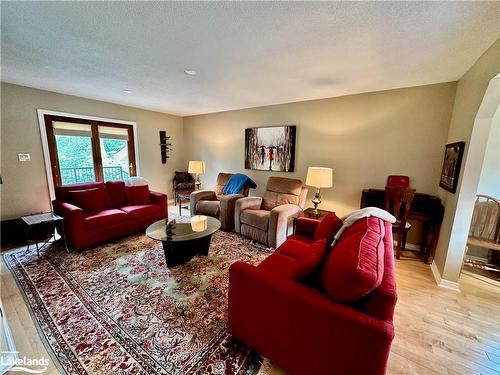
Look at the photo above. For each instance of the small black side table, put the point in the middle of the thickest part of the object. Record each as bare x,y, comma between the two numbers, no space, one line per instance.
182,197
33,223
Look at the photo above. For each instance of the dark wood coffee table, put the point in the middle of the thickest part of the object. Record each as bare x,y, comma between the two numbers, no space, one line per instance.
180,241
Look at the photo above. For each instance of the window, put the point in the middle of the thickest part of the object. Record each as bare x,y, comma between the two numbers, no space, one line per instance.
86,151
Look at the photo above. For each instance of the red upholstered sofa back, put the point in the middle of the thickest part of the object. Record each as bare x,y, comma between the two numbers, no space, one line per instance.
381,302
62,192
115,189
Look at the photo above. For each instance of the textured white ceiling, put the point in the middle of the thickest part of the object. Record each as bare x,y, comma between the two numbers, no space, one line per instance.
247,54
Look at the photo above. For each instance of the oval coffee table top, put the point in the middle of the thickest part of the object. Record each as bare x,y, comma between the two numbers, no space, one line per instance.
171,230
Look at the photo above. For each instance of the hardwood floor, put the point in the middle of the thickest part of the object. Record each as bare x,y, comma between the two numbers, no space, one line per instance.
438,331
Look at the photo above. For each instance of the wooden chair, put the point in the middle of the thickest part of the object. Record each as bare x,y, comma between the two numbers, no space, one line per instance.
485,225
398,201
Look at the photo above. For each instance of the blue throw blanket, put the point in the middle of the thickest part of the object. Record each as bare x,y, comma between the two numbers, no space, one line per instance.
237,182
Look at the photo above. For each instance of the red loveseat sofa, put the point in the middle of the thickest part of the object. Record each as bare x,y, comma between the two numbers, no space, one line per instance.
338,320
96,212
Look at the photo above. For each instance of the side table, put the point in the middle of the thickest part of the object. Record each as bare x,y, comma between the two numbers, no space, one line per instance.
308,212
33,224
182,197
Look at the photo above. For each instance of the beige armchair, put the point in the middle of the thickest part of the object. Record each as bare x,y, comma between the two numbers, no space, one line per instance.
214,203
267,219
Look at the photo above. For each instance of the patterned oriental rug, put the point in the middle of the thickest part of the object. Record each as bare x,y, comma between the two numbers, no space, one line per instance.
117,308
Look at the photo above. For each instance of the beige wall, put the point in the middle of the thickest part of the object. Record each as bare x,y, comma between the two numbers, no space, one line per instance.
25,188
489,182
470,92
364,138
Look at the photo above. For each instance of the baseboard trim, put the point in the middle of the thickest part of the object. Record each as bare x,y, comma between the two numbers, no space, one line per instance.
443,283
409,246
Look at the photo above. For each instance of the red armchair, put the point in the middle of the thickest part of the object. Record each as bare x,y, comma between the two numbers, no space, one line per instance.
103,212
300,328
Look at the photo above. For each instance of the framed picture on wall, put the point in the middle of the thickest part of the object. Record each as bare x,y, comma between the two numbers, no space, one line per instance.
270,148
451,166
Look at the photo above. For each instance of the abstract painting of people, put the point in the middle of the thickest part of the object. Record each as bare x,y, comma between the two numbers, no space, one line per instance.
271,148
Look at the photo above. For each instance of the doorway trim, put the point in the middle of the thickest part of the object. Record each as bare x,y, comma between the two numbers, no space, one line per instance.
45,143
468,185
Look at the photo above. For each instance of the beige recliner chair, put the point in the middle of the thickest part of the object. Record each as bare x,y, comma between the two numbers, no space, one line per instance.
267,219
214,203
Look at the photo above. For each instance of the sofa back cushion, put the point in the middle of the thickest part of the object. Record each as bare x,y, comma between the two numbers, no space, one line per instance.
62,192
381,302
328,228
222,179
90,200
137,195
355,266
280,190
116,191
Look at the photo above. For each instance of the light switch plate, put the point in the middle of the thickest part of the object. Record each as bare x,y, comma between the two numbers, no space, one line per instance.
23,157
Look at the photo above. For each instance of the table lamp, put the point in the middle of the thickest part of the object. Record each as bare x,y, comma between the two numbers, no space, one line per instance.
319,177
197,167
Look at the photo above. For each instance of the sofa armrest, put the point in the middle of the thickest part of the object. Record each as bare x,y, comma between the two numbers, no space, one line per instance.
74,221
69,211
227,205
306,226
200,195
246,203
161,200
279,222
300,329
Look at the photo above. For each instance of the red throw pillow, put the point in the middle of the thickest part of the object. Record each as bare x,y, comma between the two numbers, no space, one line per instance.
137,195
90,200
116,190
355,266
328,228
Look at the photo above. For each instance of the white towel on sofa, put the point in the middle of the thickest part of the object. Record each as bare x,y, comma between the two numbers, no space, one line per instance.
354,216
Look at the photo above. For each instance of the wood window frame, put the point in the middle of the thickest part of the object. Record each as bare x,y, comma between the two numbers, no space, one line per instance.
94,123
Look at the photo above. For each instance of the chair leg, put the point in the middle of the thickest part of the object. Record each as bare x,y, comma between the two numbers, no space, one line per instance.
398,245
403,246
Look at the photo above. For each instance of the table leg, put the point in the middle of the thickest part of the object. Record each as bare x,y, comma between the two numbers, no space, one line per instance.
36,244
180,207
27,234
178,252
63,235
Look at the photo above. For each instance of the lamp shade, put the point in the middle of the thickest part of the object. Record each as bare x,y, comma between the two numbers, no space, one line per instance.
197,167
319,177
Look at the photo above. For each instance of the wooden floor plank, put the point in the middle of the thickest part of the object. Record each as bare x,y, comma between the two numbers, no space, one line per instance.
438,331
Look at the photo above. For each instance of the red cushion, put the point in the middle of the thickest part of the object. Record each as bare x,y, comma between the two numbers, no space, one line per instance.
137,195
138,211
280,264
300,238
90,200
294,248
116,191
104,218
328,228
295,259
356,264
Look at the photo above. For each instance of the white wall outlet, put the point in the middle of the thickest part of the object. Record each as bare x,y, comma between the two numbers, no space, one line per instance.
23,157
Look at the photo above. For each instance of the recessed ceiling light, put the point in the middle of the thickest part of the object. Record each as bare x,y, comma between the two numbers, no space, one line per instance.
190,72
127,91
